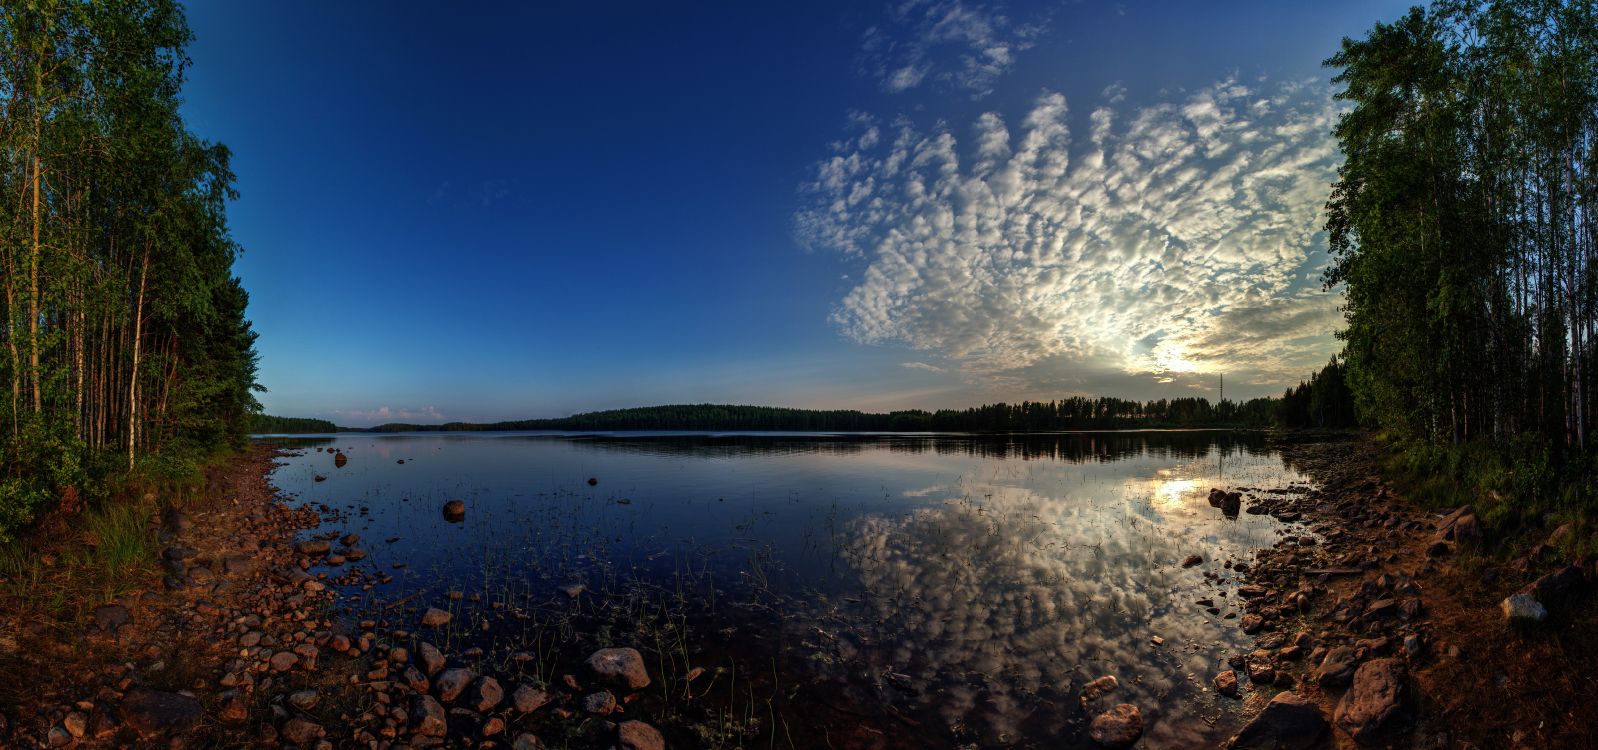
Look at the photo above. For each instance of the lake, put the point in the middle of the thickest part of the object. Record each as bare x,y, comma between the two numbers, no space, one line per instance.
857,590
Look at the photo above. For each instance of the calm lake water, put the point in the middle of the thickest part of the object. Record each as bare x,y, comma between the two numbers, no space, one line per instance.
866,590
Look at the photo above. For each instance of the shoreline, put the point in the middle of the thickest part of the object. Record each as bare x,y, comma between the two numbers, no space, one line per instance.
249,647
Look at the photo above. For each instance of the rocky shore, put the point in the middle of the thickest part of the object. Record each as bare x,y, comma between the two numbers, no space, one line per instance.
244,645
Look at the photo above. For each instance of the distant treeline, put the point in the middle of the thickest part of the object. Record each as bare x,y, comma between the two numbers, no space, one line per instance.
1027,416
268,424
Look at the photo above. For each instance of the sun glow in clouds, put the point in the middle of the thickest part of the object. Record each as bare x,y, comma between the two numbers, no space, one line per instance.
1192,226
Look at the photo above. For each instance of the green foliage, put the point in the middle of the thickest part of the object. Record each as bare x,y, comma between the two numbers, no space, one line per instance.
1463,229
123,338
262,424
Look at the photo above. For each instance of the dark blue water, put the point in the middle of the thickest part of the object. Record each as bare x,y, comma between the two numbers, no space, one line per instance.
962,588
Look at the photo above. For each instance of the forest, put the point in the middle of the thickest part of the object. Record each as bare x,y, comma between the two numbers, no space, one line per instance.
126,352
1462,230
1076,413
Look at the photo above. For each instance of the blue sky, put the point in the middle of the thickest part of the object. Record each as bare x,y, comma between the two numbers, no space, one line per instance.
532,209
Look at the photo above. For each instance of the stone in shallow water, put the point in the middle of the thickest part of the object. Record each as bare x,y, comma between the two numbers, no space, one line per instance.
435,618
621,667
1118,727
452,683
1226,684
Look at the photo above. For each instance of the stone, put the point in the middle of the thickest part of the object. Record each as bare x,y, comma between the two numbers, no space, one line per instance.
234,710
415,680
110,617
636,735
528,699
1523,609
492,727
619,667
1558,584
435,618
1226,684
485,695
1376,698
1252,623
151,712
313,547
431,659
76,723
452,683
1193,560
302,731
283,661
602,703
304,700
1118,727
526,741
1097,688
1288,722
427,717
1261,667
455,510
1337,668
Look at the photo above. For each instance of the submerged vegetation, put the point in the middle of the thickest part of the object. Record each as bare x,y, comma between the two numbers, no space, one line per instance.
1463,229
126,349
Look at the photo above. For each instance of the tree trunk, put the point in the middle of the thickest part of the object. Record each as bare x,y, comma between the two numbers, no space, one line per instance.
133,381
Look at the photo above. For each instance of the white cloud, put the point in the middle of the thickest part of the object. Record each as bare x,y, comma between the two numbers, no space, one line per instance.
922,366
1181,236
965,45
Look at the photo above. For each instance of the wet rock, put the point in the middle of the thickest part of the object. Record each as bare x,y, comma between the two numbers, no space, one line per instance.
452,683
1337,668
110,617
1523,609
1193,560
427,717
302,731
1261,668
526,741
1118,727
151,712
1288,722
1097,688
455,510
339,459
485,695
601,703
1375,699
528,699
313,547
430,658
1252,623
573,590
1226,684
636,735
619,667
435,618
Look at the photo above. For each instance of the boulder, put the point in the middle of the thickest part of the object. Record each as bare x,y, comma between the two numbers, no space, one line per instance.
1523,609
1376,698
1118,727
619,667
1288,722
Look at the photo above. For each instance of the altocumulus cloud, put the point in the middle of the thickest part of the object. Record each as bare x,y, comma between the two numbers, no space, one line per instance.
961,44
1182,236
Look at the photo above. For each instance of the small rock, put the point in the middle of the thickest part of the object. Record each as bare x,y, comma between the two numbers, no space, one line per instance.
621,667
1118,727
110,617
1337,668
636,735
435,618
283,661
1226,683
427,717
601,703
528,699
304,700
1192,560
432,660
486,695
526,741
302,731
455,510
1523,608
452,683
